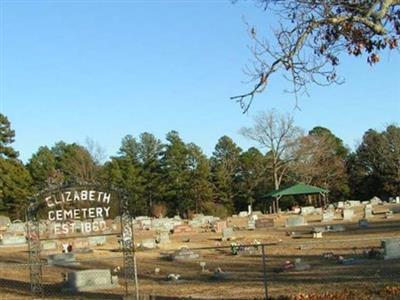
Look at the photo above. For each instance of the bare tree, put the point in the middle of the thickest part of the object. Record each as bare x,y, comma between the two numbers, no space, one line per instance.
310,37
97,152
318,163
279,136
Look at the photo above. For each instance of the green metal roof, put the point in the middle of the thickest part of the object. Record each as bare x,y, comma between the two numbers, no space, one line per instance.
297,189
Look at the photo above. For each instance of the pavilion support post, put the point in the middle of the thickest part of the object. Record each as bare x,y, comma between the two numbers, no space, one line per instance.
277,204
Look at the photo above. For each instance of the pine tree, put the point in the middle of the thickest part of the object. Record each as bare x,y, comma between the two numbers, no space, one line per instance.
225,167
15,181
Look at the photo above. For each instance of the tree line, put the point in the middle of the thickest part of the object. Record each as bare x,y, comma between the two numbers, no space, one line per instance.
175,177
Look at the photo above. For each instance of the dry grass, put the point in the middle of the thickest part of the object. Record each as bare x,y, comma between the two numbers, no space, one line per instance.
369,279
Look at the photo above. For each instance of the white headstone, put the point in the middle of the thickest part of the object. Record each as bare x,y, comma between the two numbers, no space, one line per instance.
307,210
391,248
348,214
88,280
328,216
295,221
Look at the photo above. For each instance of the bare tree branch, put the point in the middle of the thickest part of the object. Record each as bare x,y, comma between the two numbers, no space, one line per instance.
312,35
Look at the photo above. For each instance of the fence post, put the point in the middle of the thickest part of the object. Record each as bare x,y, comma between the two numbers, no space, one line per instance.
264,272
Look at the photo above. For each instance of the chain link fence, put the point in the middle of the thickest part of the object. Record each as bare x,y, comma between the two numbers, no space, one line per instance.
318,269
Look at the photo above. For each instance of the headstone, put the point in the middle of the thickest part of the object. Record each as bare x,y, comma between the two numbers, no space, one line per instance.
97,240
164,224
295,221
89,280
318,211
353,203
265,223
348,214
253,217
145,224
4,222
363,223
243,214
307,210
317,235
162,237
183,229
340,204
227,234
13,239
61,259
48,245
17,226
200,220
300,266
336,228
148,244
251,224
184,254
391,248
368,211
257,213
219,226
80,243
328,216
375,200
196,223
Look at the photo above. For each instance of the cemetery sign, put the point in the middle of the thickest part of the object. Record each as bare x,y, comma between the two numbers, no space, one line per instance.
67,213
79,210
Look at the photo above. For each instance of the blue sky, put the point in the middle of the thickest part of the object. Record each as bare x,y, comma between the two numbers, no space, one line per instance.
103,69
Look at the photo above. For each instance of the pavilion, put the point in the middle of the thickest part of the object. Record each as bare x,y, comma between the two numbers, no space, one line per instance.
298,189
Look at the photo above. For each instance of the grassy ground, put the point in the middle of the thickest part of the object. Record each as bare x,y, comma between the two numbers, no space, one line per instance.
326,279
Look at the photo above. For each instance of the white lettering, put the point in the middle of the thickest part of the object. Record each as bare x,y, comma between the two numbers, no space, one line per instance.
57,228
59,215
76,214
49,204
92,212
55,200
107,197
91,195
51,215
99,196
69,198
99,212
84,195
68,214
87,227
84,211
106,209
65,228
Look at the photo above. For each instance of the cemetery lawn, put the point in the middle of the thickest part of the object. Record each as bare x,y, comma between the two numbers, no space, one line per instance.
360,278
